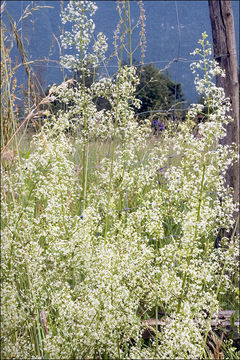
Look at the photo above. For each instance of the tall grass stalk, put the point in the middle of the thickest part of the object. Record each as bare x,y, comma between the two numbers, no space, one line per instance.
10,89
123,21
129,34
8,120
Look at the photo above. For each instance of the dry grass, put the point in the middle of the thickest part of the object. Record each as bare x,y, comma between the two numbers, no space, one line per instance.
30,93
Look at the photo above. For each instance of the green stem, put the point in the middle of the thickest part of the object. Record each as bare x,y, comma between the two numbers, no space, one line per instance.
85,142
156,308
130,64
84,180
114,132
129,35
13,119
37,338
156,327
124,161
122,39
217,292
110,176
195,237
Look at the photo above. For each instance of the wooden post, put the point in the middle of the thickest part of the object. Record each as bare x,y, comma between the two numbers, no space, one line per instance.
225,52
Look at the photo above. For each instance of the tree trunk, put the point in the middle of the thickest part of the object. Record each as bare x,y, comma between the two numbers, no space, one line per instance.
225,52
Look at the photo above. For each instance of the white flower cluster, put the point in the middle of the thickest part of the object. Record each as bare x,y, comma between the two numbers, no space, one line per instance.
80,284
100,46
79,14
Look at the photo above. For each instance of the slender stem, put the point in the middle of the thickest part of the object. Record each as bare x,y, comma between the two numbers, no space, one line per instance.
114,132
217,292
200,199
130,64
86,149
13,122
156,327
195,237
156,307
35,327
129,35
85,141
122,39
111,174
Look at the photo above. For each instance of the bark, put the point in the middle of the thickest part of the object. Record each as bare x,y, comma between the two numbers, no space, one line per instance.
225,52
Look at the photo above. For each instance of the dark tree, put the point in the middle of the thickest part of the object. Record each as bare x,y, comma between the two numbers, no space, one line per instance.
156,90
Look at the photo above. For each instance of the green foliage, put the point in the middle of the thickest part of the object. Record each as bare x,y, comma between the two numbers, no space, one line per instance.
157,91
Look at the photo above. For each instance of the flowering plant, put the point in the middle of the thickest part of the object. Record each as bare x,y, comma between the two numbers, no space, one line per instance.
81,284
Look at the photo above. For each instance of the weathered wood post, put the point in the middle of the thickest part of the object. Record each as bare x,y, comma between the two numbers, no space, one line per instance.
225,52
